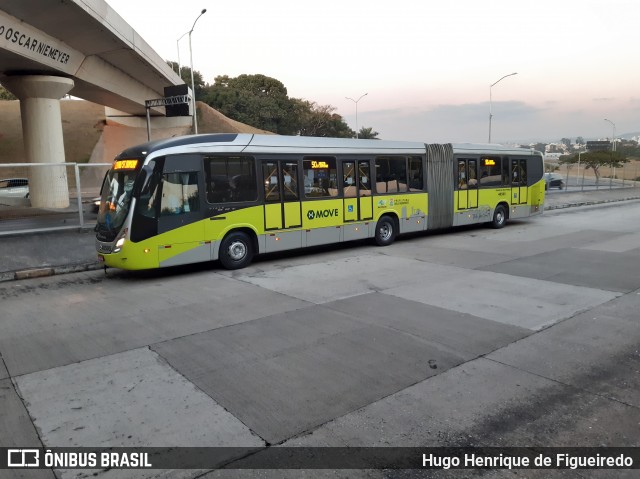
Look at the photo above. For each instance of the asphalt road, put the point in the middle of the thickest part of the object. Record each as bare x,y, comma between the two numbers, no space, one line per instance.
525,336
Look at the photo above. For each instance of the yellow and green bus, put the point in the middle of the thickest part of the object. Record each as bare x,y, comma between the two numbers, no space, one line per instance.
229,197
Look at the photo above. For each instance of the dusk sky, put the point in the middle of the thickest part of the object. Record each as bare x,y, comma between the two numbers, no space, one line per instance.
426,66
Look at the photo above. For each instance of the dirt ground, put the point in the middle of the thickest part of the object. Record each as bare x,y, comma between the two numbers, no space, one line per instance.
82,124
629,171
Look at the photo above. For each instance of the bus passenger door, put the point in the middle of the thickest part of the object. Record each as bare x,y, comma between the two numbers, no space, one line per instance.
365,199
358,202
519,189
282,209
467,184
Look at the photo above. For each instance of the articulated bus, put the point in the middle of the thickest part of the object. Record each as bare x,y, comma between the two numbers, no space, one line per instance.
229,197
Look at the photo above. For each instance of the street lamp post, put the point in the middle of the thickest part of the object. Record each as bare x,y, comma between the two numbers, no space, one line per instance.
356,102
193,86
614,134
613,148
490,100
578,172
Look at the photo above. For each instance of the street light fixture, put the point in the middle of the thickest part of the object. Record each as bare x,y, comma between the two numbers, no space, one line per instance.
614,134
356,102
178,46
193,86
490,100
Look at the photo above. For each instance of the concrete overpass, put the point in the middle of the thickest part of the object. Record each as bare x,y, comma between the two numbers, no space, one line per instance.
50,48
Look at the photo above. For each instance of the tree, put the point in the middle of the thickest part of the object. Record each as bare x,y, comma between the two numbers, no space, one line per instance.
256,100
566,142
596,159
580,141
320,120
262,102
629,148
368,133
540,147
185,74
6,94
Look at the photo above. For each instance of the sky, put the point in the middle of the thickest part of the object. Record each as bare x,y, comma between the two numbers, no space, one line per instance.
426,67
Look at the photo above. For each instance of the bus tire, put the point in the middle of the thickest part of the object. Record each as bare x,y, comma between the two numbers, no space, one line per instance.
385,231
499,217
236,250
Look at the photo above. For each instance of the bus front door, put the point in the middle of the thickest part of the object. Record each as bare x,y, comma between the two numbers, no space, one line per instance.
181,212
356,189
282,208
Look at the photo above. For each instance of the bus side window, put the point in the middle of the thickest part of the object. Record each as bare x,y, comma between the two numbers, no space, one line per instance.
320,177
490,172
473,174
391,174
462,175
230,179
416,180
506,174
147,202
179,194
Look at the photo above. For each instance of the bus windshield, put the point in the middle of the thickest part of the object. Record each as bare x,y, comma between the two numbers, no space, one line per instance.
115,198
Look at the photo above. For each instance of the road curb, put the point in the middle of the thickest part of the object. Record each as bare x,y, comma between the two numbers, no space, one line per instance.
589,203
31,273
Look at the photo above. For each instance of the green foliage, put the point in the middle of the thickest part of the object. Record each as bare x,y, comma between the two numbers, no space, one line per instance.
629,149
185,74
320,120
368,133
6,94
256,100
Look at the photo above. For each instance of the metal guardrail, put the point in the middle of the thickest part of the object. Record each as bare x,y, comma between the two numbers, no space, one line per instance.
83,182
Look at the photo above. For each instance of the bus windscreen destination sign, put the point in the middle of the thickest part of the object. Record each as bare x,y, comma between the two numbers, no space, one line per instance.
125,164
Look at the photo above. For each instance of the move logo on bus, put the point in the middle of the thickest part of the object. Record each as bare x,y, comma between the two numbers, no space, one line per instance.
328,213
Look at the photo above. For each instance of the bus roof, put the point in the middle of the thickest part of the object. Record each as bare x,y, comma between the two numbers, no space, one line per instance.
250,143
488,148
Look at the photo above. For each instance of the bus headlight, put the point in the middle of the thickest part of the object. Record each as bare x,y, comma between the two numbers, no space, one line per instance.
120,242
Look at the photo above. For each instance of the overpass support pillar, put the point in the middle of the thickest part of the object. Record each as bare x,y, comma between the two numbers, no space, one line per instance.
39,97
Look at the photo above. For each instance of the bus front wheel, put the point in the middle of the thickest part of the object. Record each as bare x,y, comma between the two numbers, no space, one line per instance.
385,231
236,250
499,217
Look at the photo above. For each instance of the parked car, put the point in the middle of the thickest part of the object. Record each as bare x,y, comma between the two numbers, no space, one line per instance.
553,180
14,188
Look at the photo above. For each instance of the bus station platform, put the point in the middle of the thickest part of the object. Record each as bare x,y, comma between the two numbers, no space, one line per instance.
47,253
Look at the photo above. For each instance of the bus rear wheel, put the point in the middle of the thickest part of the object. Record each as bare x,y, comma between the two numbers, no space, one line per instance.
385,231
499,217
236,250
